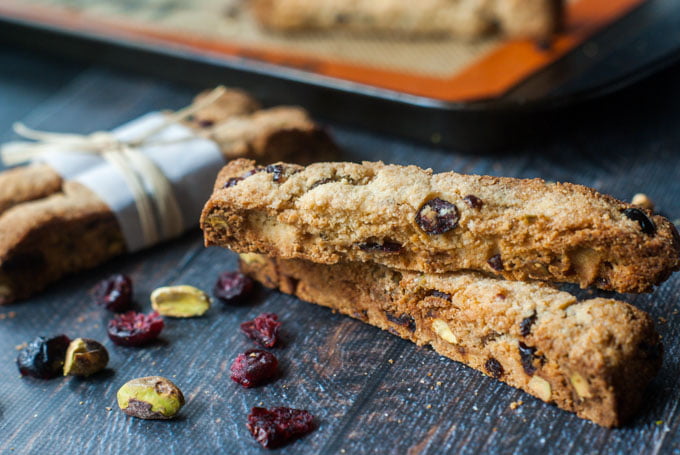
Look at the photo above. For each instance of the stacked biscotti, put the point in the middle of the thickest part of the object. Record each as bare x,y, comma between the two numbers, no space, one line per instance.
454,260
50,227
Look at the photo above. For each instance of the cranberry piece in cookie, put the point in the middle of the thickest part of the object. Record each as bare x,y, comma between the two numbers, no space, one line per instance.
647,225
437,216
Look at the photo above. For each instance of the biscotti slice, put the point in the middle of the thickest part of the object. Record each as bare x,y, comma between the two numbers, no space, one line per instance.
411,219
46,239
592,357
458,18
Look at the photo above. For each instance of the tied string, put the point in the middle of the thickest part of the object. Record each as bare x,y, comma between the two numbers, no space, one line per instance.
136,168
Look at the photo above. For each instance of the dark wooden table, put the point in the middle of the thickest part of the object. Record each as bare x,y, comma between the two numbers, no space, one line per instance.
372,392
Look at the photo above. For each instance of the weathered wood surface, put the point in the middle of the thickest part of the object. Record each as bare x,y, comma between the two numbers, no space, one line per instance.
371,392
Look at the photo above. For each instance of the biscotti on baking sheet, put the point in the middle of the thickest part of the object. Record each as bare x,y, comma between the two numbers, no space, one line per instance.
412,219
592,357
50,228
457,18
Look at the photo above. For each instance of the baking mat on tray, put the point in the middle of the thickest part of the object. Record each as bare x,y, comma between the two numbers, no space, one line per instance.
442,69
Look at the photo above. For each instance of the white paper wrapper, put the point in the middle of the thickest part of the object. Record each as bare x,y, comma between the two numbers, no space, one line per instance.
190,164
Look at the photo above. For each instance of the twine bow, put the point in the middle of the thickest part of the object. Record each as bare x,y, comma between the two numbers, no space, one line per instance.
135,167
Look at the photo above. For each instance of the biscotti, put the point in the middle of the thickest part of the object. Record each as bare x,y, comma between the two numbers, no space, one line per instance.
50,228
458,18
409,218
592,357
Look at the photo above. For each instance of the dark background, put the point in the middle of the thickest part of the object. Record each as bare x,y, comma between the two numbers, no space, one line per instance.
336,367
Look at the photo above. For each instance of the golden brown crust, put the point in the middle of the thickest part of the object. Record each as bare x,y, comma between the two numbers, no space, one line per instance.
27,183
461,18
520,229
593,357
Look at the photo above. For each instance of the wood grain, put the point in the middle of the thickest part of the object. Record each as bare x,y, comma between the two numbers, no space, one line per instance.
371,392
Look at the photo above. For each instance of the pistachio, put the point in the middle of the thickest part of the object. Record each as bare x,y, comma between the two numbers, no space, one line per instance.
180,301
152,397
580,385
252,258
541,388
85,357
442,329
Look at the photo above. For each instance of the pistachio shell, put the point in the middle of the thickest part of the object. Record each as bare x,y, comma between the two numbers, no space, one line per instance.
151,397
180,301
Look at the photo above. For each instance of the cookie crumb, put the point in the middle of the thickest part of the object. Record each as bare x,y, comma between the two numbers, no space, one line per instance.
662,320
516,404
81,402
19,347
439,383
390,361
108,408
429,406
429,374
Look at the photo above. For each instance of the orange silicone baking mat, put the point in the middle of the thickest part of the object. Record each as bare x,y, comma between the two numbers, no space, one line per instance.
439,68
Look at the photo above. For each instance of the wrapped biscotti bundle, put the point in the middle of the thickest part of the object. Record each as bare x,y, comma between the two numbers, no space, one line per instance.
591,357
451,260
468,19
83,200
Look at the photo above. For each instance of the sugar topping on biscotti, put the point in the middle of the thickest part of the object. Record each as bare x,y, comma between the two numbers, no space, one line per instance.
412,219
592,357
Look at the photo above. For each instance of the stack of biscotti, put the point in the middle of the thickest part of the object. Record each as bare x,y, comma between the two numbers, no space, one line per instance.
50,227
467,19
453,261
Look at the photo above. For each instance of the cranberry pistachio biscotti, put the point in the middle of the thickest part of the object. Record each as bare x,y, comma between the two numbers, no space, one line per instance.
411,219
51,227
458,18
592,357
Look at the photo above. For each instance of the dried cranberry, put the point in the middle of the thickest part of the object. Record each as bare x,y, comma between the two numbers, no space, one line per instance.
114,293
234,180
404,320
264,329
496,263
647,225
527,355
43,358
135,329
277,426
437,216
232,287
473,201
277,170
254,367
439,294
494,368
385,247
525,325
321,182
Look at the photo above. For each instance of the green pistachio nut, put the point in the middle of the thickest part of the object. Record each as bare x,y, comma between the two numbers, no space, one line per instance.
85,357
180,301
152,397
